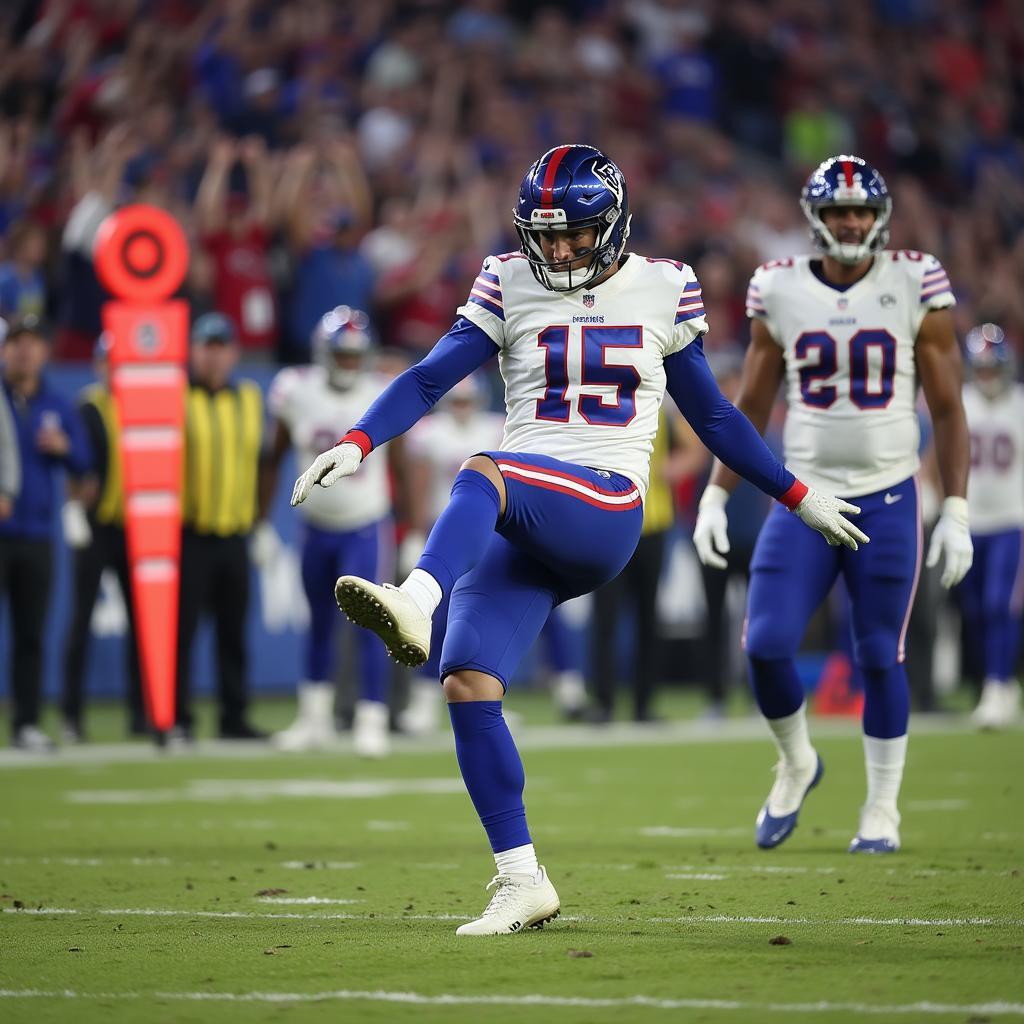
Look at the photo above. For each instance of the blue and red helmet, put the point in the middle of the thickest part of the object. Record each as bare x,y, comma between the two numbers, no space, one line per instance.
847,181
341,331
987,349
568,189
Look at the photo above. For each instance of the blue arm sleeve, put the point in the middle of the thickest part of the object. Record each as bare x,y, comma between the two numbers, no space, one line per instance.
413,393
725,431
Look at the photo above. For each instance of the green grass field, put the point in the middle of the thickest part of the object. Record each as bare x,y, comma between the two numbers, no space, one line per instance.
233,885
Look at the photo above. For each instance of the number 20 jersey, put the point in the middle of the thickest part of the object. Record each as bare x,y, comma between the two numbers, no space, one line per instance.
851,380
583,372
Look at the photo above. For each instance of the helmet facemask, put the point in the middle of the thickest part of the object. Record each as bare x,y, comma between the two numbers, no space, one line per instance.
849,253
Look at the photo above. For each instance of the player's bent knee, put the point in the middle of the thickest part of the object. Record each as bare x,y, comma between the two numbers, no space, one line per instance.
468,685
876,652
768,643
486,466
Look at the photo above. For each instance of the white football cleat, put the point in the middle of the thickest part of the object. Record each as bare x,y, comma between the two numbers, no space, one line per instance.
388,612
519,901
879,830
34,740
422,714
570,693
999,705
313,728
370,729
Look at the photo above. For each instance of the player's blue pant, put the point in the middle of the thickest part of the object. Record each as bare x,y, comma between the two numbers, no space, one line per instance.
991,597
566,530
326,555
792,571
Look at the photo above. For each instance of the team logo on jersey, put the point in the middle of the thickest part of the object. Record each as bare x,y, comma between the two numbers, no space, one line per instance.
843,302
588,300
887,300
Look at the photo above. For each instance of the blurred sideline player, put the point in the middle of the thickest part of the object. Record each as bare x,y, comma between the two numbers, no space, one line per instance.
345,530
851,331
587,338
993,591
437,446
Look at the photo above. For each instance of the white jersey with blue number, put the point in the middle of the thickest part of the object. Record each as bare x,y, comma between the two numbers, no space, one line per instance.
995,490
851,379
316,415
583,371
444,443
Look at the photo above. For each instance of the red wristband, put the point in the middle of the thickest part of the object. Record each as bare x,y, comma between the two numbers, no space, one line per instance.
357,437
794,495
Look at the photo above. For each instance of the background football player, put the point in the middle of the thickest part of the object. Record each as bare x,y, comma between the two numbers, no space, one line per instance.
993,591
345,530
851,331
587,337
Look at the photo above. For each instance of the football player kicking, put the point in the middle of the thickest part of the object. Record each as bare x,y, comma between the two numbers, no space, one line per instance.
852,331
346,530
993,592
587,337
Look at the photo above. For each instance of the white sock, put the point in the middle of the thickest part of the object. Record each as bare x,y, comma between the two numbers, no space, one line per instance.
520,860
424,591
792,738
884,761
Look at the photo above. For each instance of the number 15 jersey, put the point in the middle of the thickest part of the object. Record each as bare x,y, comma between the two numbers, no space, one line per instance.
851,378
583,372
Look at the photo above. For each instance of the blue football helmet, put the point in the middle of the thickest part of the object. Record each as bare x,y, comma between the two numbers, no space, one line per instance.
987,349
342,331
567,189
847,181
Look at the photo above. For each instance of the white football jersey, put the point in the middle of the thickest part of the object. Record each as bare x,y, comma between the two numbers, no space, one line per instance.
445,443
583,371
851,378
316,416
995,490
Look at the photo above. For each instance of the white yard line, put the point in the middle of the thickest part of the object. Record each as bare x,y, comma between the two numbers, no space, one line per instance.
844,922
995,1007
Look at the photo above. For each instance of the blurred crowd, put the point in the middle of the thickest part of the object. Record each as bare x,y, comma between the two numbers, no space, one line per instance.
324,152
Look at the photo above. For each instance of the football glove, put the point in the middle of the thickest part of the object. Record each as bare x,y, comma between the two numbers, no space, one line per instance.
328,468
265,544
409,552
75,524
952,535
821,512
710,532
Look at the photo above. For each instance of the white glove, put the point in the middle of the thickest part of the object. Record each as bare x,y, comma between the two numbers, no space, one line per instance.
710,532
328,468
75,523
409,552
821,512
265,544
952,535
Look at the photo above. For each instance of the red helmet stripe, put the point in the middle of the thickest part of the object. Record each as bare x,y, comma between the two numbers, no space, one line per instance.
848,172
547,191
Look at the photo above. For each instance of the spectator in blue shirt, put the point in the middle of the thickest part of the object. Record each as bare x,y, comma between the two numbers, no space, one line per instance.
22,285
50,436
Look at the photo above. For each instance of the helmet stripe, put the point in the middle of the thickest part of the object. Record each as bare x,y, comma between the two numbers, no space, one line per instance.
848,172
547,191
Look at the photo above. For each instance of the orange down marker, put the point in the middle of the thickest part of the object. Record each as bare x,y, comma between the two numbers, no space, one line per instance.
141,257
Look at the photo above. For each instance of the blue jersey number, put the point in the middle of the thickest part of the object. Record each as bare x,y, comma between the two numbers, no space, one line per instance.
865,392
595,370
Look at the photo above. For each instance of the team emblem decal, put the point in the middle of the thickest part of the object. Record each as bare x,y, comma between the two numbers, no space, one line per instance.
588,301
843,303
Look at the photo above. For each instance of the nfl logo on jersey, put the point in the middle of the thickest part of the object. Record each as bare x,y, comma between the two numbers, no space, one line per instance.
588,301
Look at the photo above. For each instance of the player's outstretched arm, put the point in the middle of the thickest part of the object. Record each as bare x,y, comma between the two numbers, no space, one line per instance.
941,372
731,437
405,400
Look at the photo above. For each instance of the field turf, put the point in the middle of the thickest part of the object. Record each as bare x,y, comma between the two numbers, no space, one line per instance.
231,885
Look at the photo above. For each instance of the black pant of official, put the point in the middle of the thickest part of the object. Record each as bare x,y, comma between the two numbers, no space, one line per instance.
215,580
716,583
636,585
26,570
106,550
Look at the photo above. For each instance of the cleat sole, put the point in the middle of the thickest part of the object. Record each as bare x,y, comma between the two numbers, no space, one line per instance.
538,925
365,610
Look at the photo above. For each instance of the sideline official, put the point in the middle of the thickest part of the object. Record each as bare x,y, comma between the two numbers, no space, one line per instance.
50,436
223,435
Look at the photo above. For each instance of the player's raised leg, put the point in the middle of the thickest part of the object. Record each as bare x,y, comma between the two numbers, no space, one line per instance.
401,616
881,585
791,572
